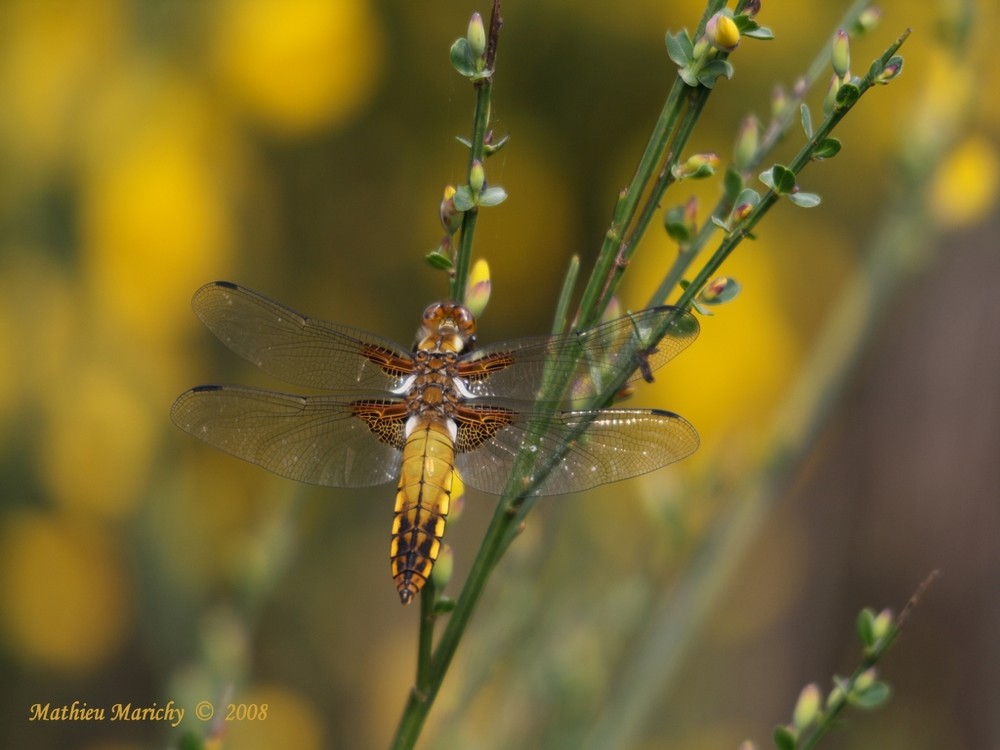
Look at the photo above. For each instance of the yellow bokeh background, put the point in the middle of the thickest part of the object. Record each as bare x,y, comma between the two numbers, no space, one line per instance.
301,147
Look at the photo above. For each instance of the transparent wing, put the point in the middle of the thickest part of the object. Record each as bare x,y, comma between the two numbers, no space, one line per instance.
318,440
297,349
515,369
583,448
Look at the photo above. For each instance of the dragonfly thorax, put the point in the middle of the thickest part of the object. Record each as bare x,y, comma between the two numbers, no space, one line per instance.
435,386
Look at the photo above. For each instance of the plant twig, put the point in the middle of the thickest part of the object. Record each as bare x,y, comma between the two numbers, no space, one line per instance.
477,153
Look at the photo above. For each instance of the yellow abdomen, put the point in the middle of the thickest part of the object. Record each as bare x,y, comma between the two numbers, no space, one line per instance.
422,501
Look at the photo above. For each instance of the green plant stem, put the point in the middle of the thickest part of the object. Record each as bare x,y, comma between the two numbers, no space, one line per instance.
559,321
425,639
477,152
775,130
611,258
894,253
802,158
420,701
516,500
869,659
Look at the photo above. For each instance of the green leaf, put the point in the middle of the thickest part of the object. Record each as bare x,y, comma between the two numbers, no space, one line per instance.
437,259
847,95
748,195
779,178
701,309
804,200
728,294
492,196
732,184
680,49
462,58
491,148
874,696
866,627
806,117
761,32
826,149
720,223
190,741
688,75
784,738
464,199
713,70
749,27
677,229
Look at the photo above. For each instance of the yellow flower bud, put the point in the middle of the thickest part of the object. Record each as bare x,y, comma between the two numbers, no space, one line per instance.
722,32
477,291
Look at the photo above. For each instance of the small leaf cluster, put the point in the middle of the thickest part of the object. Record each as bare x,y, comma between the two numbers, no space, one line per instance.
469,56
703,62
468,53
813,716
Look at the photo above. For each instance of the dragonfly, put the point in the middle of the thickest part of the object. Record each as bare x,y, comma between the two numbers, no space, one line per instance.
416,416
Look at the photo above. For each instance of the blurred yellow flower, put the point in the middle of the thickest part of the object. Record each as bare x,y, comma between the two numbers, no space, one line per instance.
290,721
62,592
297,66
155,213
727,383
964,190
51,54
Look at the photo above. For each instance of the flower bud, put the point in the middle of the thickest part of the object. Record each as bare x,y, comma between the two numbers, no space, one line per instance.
868,19
718,290
890,71
457,504
741,212
477,176
477,291
881,624
747,141
830,101
807,707
722,32
701,48
451,217
864,680
697,166
840,57
476,35
444,566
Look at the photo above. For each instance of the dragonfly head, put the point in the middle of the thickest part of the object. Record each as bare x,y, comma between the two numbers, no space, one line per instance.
447,326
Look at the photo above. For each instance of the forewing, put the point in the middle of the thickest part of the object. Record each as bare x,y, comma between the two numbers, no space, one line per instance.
297,349
515,369
318,440
581,449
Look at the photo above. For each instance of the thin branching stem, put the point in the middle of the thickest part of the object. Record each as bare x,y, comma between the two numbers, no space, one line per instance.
802,158
776,129
517,499
477,153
